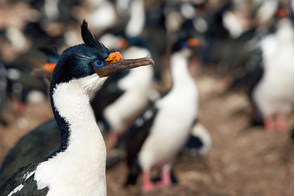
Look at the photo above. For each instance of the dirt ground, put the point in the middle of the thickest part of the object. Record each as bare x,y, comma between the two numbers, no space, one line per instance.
244,161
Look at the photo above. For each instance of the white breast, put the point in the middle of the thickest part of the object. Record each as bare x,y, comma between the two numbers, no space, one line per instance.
275,92
80,169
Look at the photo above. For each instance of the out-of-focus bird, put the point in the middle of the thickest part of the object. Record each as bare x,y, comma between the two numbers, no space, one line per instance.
77,167
199,142
274,94
247,75
159,134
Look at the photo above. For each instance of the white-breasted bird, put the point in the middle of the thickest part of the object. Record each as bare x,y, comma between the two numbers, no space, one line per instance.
77,167
274,94
162,130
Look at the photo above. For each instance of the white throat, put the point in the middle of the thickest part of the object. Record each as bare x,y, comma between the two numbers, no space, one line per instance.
80,168
184,89
179,69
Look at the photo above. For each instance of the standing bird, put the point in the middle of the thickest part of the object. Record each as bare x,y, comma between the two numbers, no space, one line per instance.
159,134
274,94
77,167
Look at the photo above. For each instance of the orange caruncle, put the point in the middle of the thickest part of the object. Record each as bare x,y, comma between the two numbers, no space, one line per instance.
114,57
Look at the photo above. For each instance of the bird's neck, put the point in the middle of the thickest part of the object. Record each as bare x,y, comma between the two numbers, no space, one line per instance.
74,115
82,155
72,110
179,71
285,33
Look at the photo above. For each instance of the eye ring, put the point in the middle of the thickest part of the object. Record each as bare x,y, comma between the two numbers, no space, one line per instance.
98,63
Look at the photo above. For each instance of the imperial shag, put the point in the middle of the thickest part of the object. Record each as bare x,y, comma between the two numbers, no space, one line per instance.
159,134
77,167
274,93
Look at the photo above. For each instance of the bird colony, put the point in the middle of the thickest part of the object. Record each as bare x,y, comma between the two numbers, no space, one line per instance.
132,97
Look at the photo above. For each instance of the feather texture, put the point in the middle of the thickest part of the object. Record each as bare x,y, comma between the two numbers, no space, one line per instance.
90,39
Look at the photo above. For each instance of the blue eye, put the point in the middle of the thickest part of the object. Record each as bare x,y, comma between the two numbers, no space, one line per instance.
98,63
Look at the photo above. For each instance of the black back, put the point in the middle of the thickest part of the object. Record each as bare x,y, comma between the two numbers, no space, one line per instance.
135,138
31,147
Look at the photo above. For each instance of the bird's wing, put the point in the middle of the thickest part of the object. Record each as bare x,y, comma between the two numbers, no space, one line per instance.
23,182
29,148
139,131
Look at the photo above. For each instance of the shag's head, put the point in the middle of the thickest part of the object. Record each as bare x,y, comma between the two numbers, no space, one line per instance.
185,46
81,69
284,11
187,38
91,57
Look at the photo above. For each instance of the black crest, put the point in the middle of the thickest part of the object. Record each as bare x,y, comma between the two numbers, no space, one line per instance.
90,39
